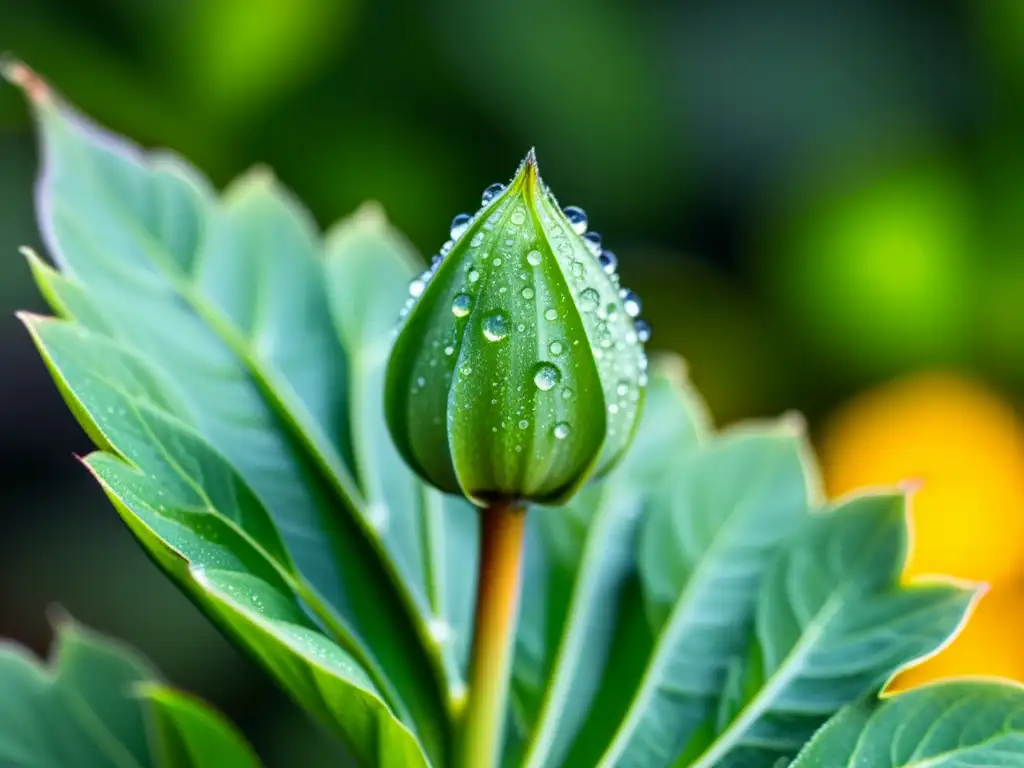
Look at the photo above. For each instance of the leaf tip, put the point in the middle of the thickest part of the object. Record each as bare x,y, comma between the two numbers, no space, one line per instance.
21,75
31,320
793,422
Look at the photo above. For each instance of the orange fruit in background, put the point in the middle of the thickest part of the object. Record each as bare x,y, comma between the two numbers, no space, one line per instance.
965,445
990,644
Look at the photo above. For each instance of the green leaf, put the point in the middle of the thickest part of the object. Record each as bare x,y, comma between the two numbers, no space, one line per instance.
187,733
79,712
224,303
369,266
832,624
955,724
183,501
713,528
578,565
322,677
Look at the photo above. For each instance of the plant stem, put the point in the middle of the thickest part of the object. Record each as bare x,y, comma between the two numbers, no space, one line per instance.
497,607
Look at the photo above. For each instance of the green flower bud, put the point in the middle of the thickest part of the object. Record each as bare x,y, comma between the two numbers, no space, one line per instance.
520,369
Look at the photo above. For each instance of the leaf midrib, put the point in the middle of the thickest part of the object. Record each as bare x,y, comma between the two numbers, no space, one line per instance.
664,646
541,737
326,459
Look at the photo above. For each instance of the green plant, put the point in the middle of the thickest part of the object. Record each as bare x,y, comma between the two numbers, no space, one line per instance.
697,605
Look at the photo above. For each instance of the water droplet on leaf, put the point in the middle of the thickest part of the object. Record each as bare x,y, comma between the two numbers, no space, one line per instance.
608,261
533,258
562,430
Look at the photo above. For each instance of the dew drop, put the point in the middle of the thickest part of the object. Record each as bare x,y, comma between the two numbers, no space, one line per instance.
551,314
518,217
466,370
527,293
473,275
611,310
449,351
546,376
623,388
567,394
524,424
447,247
556,348
593,242
643,330
491,192
521,327
630,302
477,239
613,409
577,218
495,326
421,382
608,261
562,430
533,258
459,225
461,305
416,288
589,299
578,270
497,261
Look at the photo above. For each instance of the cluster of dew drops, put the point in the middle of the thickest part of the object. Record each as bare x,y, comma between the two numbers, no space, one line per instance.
495,327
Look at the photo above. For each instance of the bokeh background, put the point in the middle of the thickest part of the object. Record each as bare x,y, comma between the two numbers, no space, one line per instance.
822,205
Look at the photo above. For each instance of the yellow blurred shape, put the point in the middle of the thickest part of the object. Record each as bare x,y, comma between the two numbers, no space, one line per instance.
989,645
965,445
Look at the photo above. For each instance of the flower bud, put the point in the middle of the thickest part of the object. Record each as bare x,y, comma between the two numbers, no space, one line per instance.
520,368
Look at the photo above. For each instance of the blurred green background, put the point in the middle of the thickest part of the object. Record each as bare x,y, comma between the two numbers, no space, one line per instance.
822,205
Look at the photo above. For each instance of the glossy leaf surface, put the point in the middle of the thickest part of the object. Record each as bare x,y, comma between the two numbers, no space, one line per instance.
955,724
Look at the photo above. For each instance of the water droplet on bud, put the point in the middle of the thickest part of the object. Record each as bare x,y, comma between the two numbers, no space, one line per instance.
577,218
495,326
589,299
630,302
643,331
491,192
461,305
459,225
546,376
